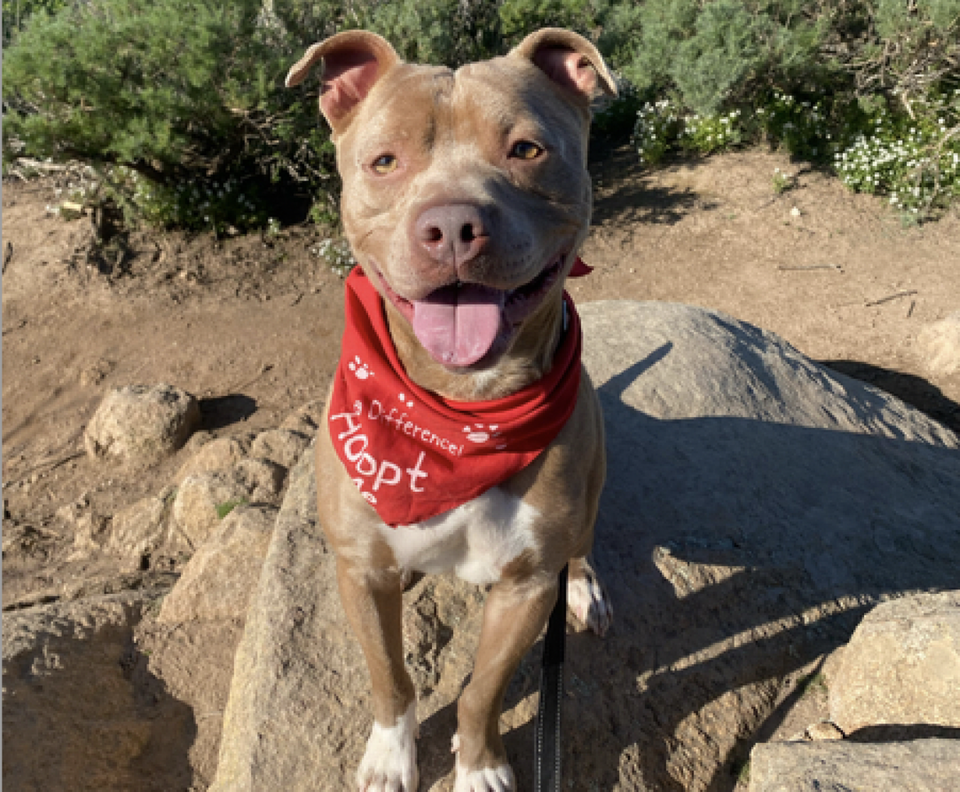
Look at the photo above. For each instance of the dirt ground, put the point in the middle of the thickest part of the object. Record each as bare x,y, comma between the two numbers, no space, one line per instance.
251,325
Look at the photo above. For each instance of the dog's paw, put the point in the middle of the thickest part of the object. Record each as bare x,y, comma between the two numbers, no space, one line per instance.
487,779
589,601
390,762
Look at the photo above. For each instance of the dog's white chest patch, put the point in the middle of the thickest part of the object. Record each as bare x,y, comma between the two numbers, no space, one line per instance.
475,540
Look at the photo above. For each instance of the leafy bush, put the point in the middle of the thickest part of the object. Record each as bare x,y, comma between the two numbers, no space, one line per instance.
872,148
16,14
184,93
659,128
914,160
725,51
870,87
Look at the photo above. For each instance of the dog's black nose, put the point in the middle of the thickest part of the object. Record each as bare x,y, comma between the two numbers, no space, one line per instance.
452,234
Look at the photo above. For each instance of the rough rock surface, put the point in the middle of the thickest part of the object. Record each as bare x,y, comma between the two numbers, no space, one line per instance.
191,645
73,684
939,345
201,497
218,581
916,766
756,506
902,666
261,478
140,529
281,446
141,423
217,455
305,420
198,498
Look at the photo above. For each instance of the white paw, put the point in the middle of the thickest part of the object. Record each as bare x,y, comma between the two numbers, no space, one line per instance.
488,779
590,603
390,761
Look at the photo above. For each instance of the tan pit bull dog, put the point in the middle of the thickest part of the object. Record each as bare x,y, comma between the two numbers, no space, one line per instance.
460,433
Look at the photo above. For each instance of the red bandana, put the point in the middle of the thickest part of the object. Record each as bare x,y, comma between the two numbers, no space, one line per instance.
414,454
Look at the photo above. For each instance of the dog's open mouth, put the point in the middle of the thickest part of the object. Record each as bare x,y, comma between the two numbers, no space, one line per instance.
462,323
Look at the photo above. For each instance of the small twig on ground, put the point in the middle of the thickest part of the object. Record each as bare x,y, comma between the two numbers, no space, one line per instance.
7,255
892,297
264,369
20,324
913,304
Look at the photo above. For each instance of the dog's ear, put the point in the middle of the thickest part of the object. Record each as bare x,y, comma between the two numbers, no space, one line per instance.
569,60
353,61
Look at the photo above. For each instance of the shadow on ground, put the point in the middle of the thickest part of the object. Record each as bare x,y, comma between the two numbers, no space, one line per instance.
626,193
223,411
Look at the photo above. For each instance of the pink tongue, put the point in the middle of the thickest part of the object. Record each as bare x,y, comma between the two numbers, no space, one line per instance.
457,325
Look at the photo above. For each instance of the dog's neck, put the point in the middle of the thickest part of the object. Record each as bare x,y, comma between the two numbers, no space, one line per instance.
528,359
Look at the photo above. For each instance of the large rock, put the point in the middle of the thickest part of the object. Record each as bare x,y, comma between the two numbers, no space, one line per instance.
262,478
757,506
194,662
80,710
218,581
141,423
915,766
902,666
190,646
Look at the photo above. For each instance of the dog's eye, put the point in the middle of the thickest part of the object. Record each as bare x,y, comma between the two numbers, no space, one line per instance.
524,149
385,163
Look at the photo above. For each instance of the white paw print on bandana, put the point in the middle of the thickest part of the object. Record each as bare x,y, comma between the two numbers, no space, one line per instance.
360,369
480,434
404,401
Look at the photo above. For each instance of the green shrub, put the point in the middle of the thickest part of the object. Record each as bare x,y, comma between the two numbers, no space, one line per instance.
658,129
724,52
187,94
868,87
916,161
873,149
16,14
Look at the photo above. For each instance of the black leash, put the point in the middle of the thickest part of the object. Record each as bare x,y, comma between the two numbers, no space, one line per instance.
546,768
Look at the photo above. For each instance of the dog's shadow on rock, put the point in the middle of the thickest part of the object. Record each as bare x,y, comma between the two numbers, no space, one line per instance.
736,552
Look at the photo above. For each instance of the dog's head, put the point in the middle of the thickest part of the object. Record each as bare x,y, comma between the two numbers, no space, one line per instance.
465,193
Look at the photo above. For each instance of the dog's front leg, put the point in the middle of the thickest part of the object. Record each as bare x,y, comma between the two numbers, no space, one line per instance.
372,599
513,617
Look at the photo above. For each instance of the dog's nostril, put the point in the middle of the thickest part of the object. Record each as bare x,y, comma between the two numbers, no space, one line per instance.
467,233
432,234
